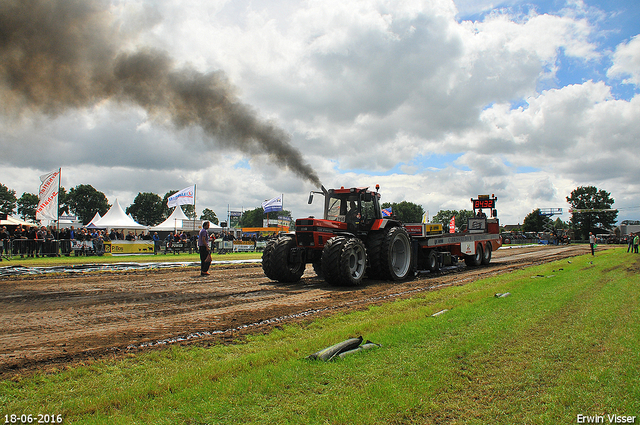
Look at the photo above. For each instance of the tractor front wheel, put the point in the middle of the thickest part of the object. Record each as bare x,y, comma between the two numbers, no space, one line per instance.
344,261
276,261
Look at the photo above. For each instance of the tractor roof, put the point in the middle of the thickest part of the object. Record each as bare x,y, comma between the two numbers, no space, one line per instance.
342,190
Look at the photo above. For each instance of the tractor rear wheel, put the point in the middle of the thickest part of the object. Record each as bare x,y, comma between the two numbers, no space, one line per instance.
276,261
374,249
390,254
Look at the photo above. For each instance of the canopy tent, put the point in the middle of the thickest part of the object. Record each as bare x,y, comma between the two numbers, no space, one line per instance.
116,218
12,221
179,221
173,222
92,224
95,219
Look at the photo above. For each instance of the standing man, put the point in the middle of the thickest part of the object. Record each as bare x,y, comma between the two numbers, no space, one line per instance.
636,241
4,237
203,247
156,243
630,239
592,242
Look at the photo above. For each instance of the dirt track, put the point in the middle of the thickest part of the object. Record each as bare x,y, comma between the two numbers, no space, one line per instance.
56,320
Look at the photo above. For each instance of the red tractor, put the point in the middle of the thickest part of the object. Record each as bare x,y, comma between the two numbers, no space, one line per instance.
351,240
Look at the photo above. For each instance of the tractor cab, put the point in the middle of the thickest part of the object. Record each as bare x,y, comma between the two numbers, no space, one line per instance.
358,207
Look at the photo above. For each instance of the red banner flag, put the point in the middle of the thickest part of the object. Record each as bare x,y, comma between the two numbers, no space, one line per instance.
452,225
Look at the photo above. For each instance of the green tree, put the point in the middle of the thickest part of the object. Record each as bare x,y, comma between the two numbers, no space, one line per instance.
444,216
209,215
7,200
84,201
534,222
189,210
62,201
255,217
596,221
559,224
27,206
147,209
405,211
252,218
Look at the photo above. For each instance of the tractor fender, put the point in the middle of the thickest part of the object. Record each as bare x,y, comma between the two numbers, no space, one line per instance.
383,223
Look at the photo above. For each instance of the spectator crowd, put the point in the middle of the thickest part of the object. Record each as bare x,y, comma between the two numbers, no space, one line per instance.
41,241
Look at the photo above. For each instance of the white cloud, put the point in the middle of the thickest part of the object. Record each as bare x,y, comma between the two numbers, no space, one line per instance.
366,87
626,62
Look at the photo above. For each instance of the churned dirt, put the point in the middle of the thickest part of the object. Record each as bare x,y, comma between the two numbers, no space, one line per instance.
57,320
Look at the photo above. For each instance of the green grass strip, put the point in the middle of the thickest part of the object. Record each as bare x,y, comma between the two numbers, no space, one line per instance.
564,343
108,259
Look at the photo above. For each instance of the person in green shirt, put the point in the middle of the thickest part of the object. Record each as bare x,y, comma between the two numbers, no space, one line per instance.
636,240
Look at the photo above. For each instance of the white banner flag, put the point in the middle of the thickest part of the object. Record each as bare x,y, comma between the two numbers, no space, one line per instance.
274,204
48,196
186,196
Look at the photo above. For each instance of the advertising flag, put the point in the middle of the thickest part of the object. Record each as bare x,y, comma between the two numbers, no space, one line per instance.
274,204
48,196
186,196
452,225
386,212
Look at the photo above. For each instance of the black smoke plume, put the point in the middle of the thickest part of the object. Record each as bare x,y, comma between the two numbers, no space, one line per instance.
61,54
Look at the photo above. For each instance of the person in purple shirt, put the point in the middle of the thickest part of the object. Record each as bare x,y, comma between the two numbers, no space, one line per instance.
203,248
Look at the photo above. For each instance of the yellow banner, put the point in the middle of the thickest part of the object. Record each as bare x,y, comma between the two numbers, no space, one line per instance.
128,247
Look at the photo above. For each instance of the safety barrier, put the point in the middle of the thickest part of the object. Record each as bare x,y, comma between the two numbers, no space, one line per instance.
29,248
178,247
11,248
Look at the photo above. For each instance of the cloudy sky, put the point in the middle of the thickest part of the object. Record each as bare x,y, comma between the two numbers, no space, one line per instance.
435,100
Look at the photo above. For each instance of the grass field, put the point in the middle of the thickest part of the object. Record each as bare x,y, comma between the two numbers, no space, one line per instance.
564,343
106,259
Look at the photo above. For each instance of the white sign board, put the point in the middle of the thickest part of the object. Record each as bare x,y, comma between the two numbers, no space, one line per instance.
468,248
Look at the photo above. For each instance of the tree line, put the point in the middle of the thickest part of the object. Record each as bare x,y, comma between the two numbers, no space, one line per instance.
150,209
593,219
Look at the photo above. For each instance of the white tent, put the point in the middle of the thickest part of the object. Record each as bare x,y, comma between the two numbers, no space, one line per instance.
179,221
173,222
13,221
95,219
116,218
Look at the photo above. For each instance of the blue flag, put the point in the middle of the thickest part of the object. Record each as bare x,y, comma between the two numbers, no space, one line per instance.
386,212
